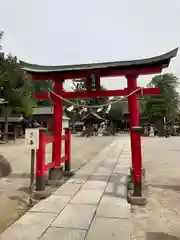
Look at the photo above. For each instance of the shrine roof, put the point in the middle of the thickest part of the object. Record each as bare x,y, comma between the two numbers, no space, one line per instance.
92,115
163,60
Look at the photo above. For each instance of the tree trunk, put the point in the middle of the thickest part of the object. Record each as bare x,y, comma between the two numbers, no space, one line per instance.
159,124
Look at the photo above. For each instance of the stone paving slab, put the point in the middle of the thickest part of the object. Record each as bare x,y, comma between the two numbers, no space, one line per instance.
68,189
115,189
75,216
109,229
113,207
88,196
95,185
64,234
99,177
30,226
91,205
53,204
79,179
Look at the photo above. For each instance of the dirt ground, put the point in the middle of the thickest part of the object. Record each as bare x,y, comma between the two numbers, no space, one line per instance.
14,189
160,218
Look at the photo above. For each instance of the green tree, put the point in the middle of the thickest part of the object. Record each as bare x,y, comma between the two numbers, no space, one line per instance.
165,105
16,86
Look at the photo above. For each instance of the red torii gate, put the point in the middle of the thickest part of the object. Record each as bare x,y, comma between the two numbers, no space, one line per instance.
93,72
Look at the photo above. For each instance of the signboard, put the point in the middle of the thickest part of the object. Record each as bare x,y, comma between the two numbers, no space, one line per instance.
92,81
32,138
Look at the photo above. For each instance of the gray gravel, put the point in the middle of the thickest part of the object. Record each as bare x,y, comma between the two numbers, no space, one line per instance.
160,219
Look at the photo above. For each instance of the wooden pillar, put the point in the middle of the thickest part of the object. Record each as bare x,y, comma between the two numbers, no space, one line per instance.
135,136
57,124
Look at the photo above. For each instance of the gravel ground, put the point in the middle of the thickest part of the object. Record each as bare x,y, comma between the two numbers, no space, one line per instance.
13,190
160,218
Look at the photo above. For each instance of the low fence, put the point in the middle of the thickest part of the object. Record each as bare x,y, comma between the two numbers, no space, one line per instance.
42,168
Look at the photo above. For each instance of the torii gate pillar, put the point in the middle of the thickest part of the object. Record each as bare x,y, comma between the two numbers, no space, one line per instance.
58,115
136,155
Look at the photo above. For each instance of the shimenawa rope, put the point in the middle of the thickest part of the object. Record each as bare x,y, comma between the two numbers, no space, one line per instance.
92,106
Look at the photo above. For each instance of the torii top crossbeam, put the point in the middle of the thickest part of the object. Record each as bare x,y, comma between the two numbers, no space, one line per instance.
152,65
107,69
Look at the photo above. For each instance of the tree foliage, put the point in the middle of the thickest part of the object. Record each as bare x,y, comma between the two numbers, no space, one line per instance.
16,86
167,103
1,35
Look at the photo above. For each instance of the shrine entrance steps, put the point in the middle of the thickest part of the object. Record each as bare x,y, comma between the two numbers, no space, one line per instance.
91,205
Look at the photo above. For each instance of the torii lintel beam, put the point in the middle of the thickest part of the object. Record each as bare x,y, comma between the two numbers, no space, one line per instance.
95,94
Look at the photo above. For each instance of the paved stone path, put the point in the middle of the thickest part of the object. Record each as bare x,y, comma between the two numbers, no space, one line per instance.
92,205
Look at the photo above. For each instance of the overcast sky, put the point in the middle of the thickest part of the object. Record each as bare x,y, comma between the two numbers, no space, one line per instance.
58,32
